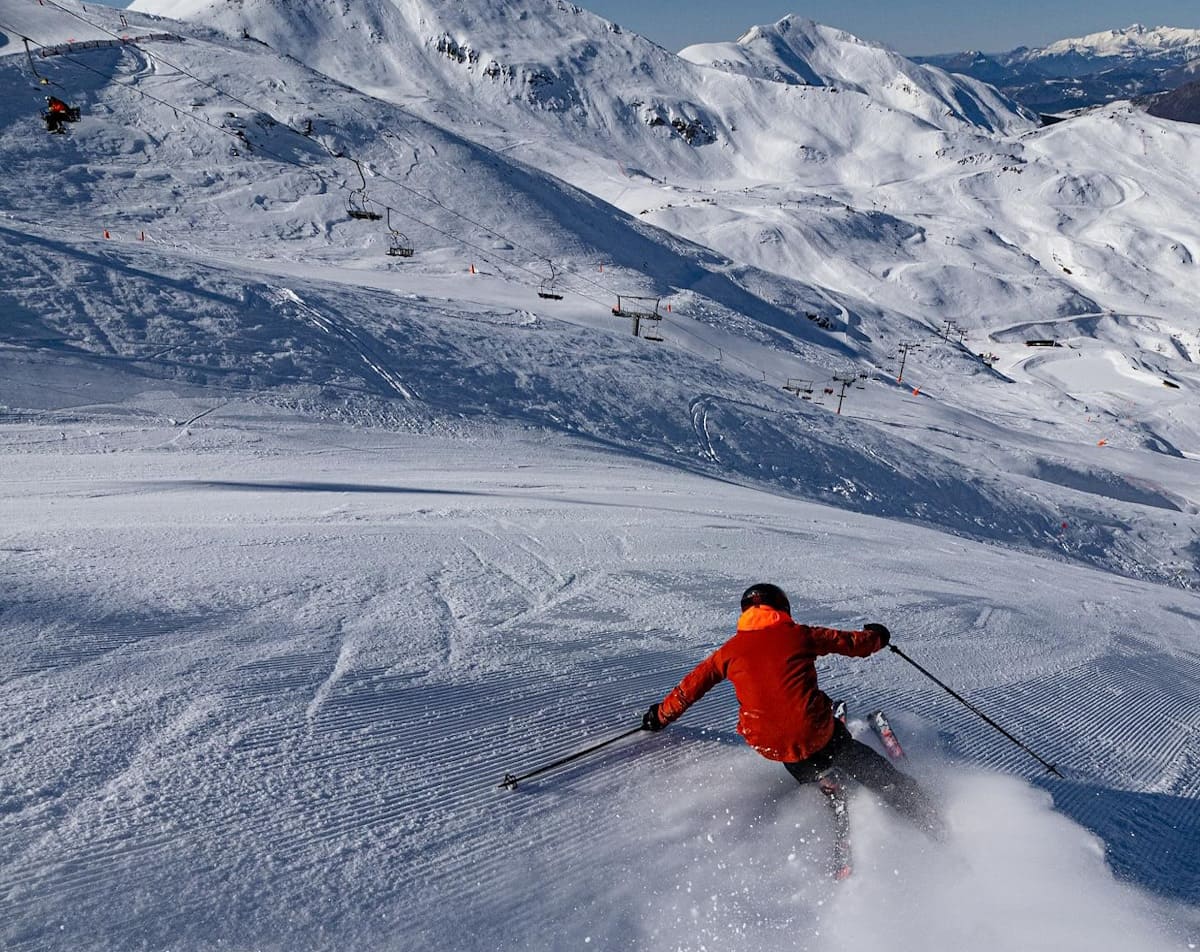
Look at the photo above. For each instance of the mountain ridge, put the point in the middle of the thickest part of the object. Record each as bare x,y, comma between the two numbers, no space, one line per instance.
1085,71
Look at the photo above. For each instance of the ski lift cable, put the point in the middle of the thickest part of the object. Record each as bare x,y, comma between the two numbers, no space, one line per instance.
606,289
152,55
141,92
484,254
233,98
516,244
402,185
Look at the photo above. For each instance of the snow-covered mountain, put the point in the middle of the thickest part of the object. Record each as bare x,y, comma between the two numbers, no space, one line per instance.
570,81
800,52
1088,70
1136,42
1181,105
306,544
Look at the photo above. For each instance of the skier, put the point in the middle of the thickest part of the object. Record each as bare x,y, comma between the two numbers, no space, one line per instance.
783,714
57,112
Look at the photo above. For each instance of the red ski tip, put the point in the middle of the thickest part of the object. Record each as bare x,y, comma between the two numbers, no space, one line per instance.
843,873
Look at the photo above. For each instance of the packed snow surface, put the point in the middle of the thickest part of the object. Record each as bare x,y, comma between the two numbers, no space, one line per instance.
306,545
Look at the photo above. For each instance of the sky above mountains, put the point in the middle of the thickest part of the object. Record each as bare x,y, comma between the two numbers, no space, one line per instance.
913,27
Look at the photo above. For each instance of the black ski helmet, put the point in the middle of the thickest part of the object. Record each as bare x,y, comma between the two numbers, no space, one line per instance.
764,593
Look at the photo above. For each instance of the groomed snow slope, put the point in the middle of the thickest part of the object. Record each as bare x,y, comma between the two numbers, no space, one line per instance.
305,546
264,677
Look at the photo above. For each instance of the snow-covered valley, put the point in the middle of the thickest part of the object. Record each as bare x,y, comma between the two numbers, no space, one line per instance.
305,545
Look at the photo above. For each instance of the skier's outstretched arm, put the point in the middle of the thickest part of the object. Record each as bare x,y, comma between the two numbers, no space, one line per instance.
855,644
695,685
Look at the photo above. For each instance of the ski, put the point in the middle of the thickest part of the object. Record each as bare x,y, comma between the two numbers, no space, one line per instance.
879,724
834,791
835,795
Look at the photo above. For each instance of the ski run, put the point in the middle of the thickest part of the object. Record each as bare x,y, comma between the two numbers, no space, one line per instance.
397,396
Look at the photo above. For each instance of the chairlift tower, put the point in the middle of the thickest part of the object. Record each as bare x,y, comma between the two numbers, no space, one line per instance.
904,347
846,381
639,309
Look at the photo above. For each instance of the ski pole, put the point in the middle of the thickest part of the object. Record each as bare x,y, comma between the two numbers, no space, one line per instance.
971,707
511,780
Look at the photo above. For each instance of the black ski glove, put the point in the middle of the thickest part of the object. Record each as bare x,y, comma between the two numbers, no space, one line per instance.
885,636
650,720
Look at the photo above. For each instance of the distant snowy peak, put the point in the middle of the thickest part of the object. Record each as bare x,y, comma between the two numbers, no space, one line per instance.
793,51
1136,40
798,51
567,83
1087,70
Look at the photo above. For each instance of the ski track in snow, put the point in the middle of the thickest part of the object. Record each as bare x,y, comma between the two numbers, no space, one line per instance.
313,767
419,527
369,352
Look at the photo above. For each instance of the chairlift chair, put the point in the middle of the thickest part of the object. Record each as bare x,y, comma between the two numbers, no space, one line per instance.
57,112
800,387
548,289
631,305
399,246
652,333
356,205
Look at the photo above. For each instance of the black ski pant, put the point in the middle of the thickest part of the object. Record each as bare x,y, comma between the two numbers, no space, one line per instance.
856,760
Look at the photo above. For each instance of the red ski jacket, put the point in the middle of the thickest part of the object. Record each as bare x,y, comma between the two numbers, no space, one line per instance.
783,714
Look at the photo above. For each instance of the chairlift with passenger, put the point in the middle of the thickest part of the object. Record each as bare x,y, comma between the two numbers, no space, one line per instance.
57,112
